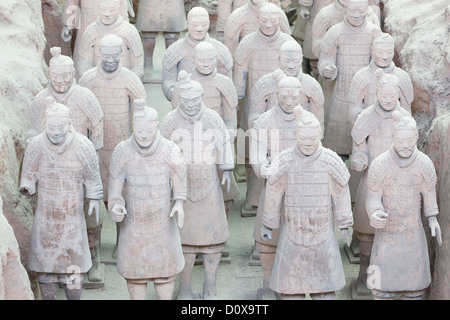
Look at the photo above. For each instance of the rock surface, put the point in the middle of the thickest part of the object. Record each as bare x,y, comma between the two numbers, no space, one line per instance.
22,76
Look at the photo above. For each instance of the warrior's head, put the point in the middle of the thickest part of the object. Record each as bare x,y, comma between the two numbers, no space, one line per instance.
288,91
198,23
57,121
383,50
405,134
356,12
191,94
61,70
387,90
291,58
109,11
308,131
269,18
145,123
205,57
110,52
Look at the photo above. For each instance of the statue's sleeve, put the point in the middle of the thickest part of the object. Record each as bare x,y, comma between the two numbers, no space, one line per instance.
224,154
37,117
30,166
428,190
273,201
117,176
328,50
92,180
360,144
375,177
259,140
241,68
170,62
340,192
137,53
85,53
178,176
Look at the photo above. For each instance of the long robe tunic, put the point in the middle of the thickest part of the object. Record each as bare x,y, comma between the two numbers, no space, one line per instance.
149,242
62,175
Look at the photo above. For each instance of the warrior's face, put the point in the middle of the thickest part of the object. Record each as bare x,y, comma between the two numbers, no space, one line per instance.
405,141
61,78
198,26
383,53
291,62
57,129
191,102
387,96
308,139
110,57
356,12
109,11
205,61
145,131
288,98
269,22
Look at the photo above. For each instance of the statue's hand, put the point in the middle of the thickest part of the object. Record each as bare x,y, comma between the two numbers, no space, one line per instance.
435,229
118,212
94,206
378,219
179,210
226,178
266,233
358,165
304,13
330,72
66,34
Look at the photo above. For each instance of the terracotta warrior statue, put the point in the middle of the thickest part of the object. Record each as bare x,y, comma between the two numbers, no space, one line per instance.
256,55
180,55
111,22
344,50
116,88
154,16
264,94
272,133
372,135
244,21
437,148
202,137
401,186
61,166
308,11
307,196
219,95
327,17
86,117
150,168
79,14
362,91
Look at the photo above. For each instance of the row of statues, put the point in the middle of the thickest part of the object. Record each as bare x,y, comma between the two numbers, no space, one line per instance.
97,149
